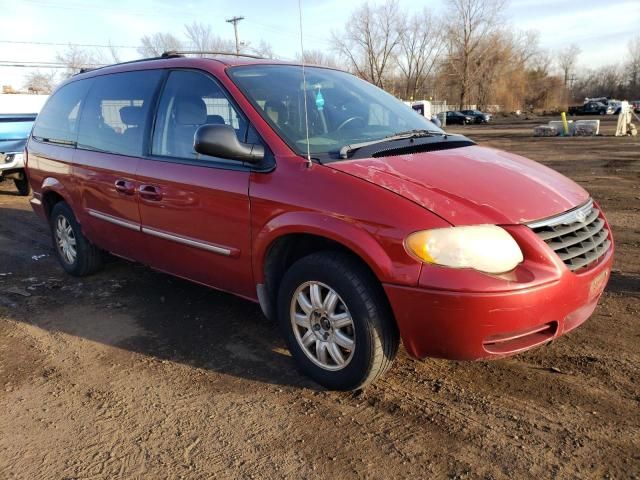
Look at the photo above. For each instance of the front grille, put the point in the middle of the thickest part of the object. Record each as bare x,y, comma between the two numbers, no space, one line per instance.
578,237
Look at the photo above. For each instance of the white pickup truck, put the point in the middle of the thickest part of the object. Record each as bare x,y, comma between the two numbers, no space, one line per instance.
14,131
17,114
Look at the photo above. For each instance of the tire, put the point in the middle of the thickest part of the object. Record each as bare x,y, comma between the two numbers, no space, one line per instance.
22,185
84,258
360,300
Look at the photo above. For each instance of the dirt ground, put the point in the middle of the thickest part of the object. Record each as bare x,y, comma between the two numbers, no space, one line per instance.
133,374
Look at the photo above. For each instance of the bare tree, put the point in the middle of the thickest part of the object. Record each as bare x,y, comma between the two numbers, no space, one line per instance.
606,81
111,55
470,23
502,72
421,43
40,82
75,59
264,50
158,43
370,39
203,39
544,90
633,48
318,57
567,60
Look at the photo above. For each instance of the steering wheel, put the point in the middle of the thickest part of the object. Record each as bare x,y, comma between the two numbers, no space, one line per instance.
348,121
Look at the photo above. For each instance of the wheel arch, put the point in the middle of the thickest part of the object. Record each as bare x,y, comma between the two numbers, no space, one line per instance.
285,240
52,192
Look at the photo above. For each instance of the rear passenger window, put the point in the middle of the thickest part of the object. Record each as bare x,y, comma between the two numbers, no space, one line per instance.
58,120
191,99
116,112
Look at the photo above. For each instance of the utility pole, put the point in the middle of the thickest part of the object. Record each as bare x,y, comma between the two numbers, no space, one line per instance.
235,21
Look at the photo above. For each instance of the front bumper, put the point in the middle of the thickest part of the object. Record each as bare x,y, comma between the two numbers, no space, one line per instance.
16,164
461,318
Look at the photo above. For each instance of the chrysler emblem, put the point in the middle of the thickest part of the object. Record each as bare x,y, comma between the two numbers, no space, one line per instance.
581,216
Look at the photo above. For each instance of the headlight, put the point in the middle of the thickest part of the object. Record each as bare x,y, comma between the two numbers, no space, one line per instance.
487,248
14,157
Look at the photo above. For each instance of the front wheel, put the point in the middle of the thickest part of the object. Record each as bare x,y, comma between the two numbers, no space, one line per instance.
22,185
336,321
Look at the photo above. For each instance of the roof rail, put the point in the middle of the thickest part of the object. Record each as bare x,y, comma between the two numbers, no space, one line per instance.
162,57
181,53
167,55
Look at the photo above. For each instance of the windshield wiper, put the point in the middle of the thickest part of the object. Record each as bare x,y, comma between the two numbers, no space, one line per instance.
417,133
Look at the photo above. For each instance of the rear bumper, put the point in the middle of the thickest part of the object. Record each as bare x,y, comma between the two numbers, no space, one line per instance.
463,325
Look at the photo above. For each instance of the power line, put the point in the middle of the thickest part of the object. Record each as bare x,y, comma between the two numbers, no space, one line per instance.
43,65
54,44
100,9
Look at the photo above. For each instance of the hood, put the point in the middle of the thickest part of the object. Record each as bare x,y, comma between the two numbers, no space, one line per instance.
12,146
472,185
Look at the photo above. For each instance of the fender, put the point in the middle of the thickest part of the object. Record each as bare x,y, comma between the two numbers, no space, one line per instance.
342,230
51,184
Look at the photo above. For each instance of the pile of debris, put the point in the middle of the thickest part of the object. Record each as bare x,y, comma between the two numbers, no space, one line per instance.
582,128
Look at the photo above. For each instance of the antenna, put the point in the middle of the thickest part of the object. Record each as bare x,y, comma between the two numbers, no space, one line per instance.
304,89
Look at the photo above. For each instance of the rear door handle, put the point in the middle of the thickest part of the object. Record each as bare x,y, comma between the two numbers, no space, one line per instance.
149,192
123,186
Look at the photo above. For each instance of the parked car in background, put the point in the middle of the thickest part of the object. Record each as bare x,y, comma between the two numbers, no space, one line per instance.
591,108
616,106
477,115
14,132
635,104
458,118
353,222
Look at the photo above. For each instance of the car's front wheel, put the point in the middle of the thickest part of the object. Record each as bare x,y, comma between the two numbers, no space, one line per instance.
336,321
22,185
77,255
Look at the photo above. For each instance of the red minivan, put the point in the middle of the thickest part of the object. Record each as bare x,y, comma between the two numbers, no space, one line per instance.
352,221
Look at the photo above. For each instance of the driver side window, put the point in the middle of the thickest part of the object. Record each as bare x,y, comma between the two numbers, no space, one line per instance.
191,99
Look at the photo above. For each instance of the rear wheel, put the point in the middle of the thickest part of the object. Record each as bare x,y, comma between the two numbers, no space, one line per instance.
336,321
22,184
76,254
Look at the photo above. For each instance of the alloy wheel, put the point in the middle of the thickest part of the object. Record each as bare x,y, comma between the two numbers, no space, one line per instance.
322,325
66,240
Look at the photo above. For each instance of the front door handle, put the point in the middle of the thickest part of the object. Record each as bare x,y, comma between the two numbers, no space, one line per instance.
123,186
149,192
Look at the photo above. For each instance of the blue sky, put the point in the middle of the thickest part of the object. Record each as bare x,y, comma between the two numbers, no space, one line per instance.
601,27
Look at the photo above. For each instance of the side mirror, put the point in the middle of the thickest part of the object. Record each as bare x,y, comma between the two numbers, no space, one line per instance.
221,141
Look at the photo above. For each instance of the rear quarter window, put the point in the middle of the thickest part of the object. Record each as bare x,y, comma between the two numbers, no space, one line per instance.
115,115
59,118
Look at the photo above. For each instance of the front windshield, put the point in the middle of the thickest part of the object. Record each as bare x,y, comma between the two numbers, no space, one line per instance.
12,129
342,109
